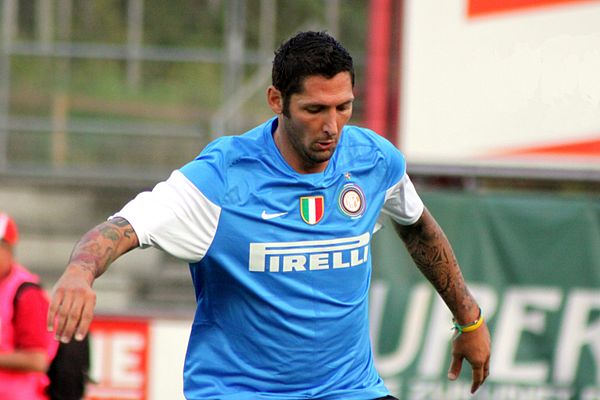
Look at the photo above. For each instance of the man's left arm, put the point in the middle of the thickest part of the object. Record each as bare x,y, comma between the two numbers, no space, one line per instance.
433,255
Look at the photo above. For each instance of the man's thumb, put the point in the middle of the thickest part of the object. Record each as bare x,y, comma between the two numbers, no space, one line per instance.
455,367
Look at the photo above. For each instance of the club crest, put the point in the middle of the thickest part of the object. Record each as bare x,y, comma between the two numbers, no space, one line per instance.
312,209
351,200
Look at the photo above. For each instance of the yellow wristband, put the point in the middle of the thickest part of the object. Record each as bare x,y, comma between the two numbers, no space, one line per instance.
470,327
473,327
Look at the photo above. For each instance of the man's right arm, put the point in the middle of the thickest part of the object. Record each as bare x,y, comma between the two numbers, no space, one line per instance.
73,299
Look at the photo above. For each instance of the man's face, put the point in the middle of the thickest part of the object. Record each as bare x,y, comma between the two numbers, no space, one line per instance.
307,138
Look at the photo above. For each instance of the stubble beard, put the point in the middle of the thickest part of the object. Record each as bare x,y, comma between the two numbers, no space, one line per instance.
309,156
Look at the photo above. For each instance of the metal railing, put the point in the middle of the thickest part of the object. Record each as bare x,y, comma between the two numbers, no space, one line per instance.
59,141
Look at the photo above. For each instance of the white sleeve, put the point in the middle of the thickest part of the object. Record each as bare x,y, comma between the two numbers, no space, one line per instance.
402,203
175,216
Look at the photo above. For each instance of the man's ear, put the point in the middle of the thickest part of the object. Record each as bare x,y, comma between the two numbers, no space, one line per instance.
275,100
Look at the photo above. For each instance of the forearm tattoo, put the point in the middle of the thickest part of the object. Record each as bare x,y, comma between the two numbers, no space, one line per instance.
102,245
433,255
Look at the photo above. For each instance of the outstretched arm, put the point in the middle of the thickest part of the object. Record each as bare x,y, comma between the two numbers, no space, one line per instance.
73,299
433,255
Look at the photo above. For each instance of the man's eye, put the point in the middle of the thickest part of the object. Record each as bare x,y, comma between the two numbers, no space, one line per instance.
313,110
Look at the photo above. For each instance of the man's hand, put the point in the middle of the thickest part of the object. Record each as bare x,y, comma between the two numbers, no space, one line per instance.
475,348
72,306
73,300
433,255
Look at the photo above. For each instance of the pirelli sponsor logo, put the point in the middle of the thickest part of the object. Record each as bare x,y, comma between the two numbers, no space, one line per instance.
310,255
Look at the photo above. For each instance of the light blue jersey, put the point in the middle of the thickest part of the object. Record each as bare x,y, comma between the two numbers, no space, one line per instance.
280,263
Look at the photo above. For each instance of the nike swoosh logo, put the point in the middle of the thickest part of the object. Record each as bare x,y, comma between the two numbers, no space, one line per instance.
264,215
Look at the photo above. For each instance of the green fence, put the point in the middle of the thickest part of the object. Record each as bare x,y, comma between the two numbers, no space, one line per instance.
533,262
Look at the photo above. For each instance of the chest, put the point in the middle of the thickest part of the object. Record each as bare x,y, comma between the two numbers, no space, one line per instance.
332,205
274,224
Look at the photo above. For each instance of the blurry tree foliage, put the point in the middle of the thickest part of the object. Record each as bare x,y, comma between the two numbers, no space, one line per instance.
186,24
182,94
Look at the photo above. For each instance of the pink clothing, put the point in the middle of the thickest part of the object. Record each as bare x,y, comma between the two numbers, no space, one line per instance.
18,385
29,319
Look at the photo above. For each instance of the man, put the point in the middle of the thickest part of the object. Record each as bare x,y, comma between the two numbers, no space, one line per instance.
26,347
276,225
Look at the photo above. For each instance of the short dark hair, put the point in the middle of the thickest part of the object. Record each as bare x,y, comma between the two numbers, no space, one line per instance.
307,54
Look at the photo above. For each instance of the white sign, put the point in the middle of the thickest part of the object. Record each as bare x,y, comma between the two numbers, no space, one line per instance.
517,88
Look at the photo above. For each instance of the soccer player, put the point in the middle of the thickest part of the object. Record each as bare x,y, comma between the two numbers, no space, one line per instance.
276,225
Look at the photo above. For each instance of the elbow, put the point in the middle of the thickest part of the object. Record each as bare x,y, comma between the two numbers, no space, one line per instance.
425,229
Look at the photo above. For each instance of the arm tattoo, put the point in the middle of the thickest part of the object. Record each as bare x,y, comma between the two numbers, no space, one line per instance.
127,230
433,255
109,232
102,245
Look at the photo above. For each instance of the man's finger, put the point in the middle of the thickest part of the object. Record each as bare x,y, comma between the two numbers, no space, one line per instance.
53,308
478,377
87,315
455,367
74,316
62,314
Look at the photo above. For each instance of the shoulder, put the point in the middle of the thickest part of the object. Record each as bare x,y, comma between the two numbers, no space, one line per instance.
209,171
30,296
359,141
227,149
30,292
359,136
31,309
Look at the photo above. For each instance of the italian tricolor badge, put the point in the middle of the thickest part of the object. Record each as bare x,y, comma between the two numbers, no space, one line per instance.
312,208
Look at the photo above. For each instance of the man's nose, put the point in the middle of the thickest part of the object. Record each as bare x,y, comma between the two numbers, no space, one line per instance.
330,124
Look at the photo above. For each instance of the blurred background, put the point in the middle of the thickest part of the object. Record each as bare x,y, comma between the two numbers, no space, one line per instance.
496,105
102,99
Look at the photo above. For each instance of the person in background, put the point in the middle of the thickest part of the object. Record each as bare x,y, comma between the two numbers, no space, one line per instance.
26,347
276,225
